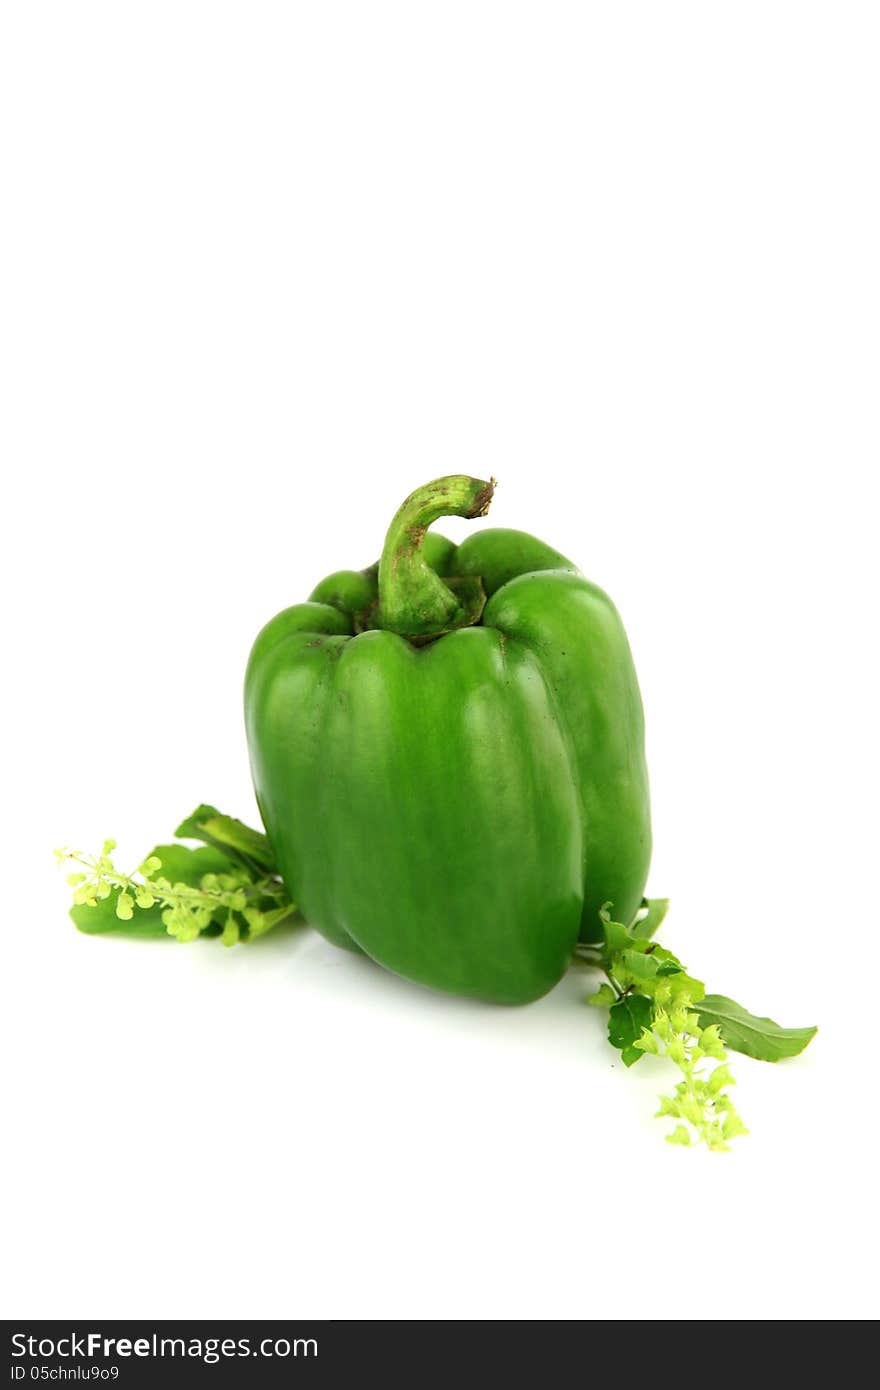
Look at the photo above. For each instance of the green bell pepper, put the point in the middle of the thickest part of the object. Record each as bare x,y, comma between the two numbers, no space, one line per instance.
448,755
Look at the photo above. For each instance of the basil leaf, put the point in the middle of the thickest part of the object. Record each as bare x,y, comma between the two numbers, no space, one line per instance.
95,921
248,847
180,864
654,909
639,966
744,1032
617,937
625,1023
662,954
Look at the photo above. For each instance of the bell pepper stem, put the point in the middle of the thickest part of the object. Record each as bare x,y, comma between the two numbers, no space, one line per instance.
413,600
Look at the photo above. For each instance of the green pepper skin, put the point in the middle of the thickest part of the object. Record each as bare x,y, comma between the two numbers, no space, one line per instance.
459,810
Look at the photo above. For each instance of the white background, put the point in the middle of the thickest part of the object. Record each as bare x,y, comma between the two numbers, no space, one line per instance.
265,269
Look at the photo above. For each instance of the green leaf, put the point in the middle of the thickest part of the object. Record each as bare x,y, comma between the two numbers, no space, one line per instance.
617,937
655,909
744,1032
625,1023
94,921
603,997
641,967
248,847
273,918
180,864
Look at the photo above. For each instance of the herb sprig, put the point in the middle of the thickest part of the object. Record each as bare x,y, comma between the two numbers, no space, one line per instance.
228,887
655,1006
